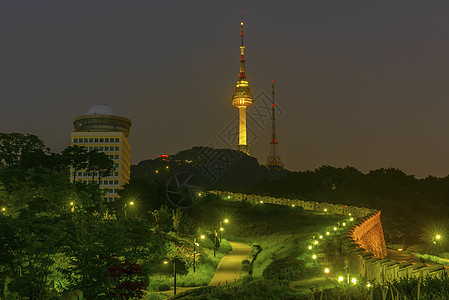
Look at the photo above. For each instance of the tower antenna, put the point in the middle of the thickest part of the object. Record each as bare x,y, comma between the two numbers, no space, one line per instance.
274,160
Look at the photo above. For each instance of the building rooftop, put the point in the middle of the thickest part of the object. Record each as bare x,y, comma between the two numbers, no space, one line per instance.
102,109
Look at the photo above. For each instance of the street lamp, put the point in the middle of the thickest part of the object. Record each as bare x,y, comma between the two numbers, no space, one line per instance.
166,261
215,241
226,220
194,250
72,206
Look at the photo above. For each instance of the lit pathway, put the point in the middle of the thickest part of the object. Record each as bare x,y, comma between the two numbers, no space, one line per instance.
229,268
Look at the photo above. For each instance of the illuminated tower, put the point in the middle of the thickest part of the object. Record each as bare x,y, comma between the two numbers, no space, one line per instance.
242,97
273,158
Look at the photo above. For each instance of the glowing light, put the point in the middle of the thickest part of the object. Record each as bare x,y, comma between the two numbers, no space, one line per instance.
310,247
157,172
340,278
131,203
326,270
344,224
261,201
349,213
368,285
354,280
352,219
335,228
165,262
316,242
438,236
314,256
226,220
71,203
321,236
199,194
325,209
203,236
229,197
167,167
221,229
293,205
3,208
327,233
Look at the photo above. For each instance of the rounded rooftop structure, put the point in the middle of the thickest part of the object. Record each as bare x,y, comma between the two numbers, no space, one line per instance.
102,118
102,109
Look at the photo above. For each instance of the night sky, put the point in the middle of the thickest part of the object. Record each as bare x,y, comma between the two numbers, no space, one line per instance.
360,83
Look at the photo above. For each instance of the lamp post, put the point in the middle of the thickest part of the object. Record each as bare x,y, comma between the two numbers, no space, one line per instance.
194,250
174,273
215,241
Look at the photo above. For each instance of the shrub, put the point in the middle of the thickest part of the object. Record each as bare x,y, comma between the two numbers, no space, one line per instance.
288,268
246,265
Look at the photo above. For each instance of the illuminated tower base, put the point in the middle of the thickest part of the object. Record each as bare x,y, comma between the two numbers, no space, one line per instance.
242,146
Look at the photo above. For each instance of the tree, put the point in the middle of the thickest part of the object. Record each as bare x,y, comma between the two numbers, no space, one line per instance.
14,145
100,164
76,157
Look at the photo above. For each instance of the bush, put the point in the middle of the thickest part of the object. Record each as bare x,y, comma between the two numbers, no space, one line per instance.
288,268
246,265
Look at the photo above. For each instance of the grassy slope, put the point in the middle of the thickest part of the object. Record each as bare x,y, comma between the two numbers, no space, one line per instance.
279,230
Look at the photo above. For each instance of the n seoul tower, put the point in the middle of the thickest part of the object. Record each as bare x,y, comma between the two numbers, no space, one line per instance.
242,97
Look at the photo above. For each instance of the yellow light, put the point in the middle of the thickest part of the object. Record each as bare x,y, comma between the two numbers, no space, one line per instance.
261,201
71,203
165,262
326,270
314,256
166,167
293,205
316,242
3,208
335,228
241,23
325,209
340,278
344,224
349,213
199,194
368,284
310,247
156,171
352,219
321,236
131,203
327,233
229,197
221,229
226,220
202,236
438,236
354,280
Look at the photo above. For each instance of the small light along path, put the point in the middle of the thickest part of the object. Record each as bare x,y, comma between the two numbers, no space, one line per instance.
228,269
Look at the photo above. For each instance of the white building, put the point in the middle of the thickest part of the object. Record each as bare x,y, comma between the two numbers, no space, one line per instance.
103,130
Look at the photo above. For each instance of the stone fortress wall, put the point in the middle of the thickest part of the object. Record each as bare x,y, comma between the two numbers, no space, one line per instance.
362,243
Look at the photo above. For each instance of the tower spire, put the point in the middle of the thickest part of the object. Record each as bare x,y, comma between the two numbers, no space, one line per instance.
242,74
274,159
242,98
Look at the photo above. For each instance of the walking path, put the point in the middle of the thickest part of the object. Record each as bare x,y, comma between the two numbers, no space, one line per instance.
228,269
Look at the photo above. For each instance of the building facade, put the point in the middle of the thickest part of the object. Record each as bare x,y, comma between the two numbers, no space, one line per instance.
102,129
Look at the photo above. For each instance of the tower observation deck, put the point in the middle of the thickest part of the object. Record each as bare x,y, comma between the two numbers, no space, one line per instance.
242,97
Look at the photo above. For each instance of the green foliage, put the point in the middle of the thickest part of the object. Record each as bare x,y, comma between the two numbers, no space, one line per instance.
287,268
13,146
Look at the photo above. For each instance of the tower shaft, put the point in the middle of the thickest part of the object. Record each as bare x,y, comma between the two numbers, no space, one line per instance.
242,146
273,158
